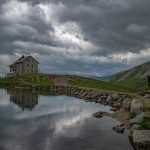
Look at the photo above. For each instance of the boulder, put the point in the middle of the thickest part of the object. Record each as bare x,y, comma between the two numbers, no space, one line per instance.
134,127
100,114
109,99
115,96
126,103
104,97
136,106
99,100
148,92
147,95
117,105
113,109
138,119
141,139
120,100
119,128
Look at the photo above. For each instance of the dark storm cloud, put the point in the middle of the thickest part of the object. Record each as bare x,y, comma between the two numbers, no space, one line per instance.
107,23
110,27
113,25
28,28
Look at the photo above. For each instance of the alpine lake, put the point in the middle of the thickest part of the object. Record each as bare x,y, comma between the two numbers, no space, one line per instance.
30,121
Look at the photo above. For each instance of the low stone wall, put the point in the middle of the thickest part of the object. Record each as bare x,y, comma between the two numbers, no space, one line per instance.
107,98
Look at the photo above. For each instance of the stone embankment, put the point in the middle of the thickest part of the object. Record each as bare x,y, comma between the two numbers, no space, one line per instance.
140,138
107,98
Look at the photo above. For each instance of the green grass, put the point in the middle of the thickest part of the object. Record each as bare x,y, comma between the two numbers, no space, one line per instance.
146,108
145,125
132,115
138,85
28,80
97,84
129,86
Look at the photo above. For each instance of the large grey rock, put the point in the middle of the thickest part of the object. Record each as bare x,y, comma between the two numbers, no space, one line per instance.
100,114
104,98
115,96
147,95
99,100
134,127
120,100
127,103
138,119
141,139
136,106
117,105
148,92
119,128
109,99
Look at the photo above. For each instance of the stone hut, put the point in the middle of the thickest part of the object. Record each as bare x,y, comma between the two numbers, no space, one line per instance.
22,66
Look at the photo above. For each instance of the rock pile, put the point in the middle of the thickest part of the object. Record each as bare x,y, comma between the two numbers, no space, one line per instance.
107,98
139,138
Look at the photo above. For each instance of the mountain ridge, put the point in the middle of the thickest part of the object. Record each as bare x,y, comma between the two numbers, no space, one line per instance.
135,73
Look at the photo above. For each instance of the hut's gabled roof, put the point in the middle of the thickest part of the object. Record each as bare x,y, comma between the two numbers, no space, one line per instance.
22,59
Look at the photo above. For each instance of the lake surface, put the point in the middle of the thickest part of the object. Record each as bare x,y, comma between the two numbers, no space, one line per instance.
30,121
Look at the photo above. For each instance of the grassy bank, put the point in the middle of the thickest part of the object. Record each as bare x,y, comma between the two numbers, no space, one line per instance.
129,87
28,80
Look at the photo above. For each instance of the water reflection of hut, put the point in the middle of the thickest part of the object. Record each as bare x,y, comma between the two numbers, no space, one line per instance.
24,99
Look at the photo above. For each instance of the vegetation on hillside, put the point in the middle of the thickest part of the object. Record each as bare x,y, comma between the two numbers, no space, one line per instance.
145,125
129,86
137,73
139,85
103,85
28,80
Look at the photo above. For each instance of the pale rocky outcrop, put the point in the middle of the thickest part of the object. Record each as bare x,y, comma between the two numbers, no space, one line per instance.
117,105
138,119
127,103
109,99
115,96
134,127
141,139
136,106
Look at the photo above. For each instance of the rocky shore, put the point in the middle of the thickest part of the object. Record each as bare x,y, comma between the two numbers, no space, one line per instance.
140,138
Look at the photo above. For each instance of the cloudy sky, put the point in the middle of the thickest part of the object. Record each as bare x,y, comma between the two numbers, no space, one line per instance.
88,37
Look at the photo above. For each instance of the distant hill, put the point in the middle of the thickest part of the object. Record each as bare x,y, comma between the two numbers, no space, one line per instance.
103,78
136,73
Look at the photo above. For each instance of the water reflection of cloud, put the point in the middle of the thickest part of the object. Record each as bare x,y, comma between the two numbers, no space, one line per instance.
4,98
52,116
67,122
58,105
